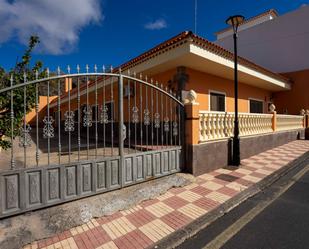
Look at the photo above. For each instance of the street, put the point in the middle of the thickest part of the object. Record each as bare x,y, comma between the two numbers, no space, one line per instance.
276,218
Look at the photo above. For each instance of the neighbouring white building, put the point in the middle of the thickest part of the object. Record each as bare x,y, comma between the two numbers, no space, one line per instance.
277,42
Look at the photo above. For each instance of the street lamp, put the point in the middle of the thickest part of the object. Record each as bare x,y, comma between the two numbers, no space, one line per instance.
234,21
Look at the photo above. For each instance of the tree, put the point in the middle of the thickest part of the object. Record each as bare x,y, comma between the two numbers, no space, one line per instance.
21,68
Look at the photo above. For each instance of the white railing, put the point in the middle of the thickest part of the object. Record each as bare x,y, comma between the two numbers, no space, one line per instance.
289,122
218,125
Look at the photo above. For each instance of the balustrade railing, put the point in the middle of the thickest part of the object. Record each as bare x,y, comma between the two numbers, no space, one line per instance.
288,122
219,125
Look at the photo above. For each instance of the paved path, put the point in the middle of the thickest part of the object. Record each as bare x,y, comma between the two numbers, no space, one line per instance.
277,217
153,220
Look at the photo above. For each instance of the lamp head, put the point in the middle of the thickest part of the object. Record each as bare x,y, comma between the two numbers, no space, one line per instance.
235,21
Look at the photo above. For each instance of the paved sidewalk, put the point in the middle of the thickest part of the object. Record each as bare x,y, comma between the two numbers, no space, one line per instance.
153,220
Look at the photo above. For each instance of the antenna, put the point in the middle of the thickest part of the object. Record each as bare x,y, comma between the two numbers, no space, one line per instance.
195,17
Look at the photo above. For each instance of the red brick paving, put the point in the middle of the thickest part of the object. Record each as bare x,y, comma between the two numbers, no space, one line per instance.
139,222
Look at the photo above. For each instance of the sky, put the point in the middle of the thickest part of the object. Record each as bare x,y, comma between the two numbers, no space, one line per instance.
111,32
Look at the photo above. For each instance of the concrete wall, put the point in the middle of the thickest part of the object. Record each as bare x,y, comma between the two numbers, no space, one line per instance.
205,157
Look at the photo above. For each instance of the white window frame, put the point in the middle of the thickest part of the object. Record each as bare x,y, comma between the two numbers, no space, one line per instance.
217,92
256,99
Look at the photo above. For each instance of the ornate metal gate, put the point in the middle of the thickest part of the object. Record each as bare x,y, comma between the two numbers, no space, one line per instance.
99,131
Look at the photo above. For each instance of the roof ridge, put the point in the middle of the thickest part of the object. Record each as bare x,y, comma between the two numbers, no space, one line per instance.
274,11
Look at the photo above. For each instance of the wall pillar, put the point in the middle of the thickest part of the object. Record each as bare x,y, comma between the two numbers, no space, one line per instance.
274,121
192,123
192,128
68,84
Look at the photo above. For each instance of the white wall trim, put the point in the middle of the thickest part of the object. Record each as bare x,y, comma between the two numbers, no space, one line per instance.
195,49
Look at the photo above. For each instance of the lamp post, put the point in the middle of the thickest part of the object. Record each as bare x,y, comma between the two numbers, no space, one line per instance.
234,21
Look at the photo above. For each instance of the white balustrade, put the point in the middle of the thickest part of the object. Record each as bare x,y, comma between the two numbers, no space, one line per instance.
218,125
289,122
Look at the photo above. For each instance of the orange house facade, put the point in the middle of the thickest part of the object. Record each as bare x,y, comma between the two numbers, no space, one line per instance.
202,74
189,62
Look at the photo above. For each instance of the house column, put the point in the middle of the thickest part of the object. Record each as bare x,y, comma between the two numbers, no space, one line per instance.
68,84
181,78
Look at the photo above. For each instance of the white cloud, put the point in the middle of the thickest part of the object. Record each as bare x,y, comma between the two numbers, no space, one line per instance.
156,25
57,22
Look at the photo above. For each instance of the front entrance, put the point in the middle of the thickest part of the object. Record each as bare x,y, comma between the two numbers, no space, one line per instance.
98,132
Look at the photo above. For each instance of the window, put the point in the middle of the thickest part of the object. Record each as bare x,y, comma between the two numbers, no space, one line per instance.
256,106
217,102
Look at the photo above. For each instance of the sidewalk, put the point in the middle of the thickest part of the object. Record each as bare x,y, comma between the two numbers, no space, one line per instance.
153,220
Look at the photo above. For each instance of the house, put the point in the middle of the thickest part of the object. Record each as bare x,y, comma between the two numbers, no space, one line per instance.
97,132
189,62
88,106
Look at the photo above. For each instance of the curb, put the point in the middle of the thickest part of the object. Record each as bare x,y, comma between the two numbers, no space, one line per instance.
186,232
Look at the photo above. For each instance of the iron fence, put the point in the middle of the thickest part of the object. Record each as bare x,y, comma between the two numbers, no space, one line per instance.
88,132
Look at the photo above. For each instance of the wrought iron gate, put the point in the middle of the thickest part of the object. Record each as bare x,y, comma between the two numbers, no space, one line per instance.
99,131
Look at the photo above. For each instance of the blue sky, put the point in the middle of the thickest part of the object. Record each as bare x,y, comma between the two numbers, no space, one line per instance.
111,32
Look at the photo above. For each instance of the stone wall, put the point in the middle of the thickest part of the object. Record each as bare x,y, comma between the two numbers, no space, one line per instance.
205,157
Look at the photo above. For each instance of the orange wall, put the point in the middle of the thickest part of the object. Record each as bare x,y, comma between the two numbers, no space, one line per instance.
297,98
31,116
202,83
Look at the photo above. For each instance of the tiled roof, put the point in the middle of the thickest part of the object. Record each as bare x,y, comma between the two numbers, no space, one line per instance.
188,36
210,46
272,12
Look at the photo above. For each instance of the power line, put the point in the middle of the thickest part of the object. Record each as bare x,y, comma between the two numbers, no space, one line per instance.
195,17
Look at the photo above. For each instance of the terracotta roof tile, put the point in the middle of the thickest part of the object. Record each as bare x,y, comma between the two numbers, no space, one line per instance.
185,37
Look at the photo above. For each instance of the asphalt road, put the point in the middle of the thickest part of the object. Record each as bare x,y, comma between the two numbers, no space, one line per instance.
277,218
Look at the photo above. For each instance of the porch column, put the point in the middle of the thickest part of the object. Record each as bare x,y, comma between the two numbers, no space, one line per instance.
68,84
181,78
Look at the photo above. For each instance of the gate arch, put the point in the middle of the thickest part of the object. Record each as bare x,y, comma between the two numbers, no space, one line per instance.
99,131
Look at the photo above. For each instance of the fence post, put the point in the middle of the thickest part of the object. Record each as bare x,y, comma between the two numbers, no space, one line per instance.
120,128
